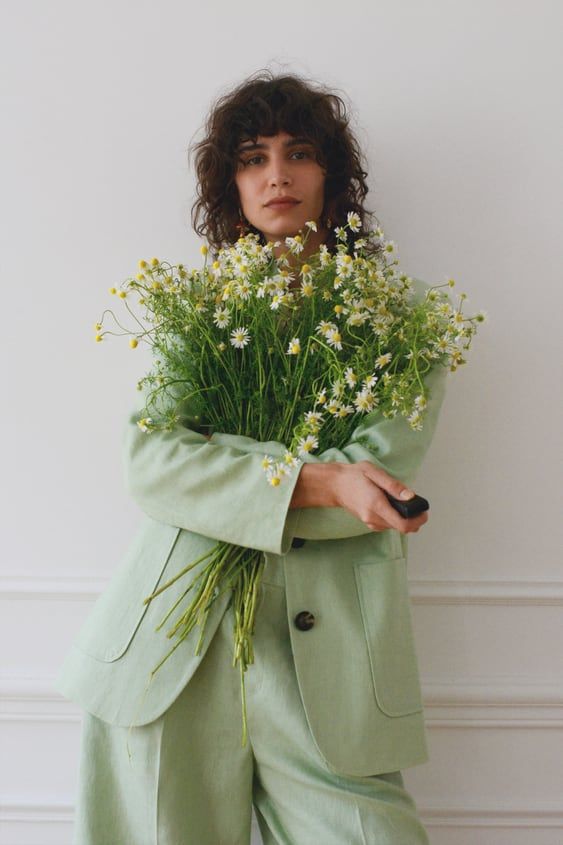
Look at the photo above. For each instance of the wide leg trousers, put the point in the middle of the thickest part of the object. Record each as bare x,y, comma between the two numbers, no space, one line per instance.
185,779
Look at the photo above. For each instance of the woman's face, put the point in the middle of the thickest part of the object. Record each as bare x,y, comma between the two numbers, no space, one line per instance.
277,166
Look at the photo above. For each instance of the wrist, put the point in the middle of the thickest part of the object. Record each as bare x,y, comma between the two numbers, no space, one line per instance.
317,486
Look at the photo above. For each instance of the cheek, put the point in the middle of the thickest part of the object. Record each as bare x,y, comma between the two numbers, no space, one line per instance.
317,182
242,188
246,187
317,188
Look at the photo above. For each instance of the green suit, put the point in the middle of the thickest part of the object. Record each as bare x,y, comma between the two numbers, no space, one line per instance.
356,666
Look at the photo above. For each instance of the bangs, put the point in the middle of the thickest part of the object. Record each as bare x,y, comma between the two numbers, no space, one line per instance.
271,111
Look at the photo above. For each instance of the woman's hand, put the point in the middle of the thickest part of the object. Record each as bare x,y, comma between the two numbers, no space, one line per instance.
358,488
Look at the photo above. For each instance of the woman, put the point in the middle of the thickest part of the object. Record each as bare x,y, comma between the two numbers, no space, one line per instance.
333,696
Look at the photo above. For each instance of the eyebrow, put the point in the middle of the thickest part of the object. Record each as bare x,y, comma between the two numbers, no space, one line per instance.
291,142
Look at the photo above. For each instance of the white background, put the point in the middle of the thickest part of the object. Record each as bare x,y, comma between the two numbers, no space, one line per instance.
458,107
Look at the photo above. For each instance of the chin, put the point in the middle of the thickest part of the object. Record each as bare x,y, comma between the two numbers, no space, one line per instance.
287,231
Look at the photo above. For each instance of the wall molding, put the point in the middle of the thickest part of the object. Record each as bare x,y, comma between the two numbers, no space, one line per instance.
423,591
514,592
476,703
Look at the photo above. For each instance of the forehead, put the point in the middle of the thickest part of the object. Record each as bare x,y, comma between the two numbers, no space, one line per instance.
263,142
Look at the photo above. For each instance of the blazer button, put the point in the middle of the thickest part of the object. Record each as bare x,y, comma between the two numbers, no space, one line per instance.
297,542
304,620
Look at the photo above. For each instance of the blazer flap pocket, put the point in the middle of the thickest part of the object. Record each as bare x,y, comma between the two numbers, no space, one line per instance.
117,613
385,605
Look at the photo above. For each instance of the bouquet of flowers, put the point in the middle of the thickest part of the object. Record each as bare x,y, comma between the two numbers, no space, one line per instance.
252,346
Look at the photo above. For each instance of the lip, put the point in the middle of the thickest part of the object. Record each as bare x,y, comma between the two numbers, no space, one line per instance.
282,202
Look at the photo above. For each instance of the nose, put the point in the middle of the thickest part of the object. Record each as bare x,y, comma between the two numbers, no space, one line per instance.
278,173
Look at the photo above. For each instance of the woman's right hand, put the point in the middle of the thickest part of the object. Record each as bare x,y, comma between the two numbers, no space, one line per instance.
359,489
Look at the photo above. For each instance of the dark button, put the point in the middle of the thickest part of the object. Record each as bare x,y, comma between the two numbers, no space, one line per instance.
304,620
297,542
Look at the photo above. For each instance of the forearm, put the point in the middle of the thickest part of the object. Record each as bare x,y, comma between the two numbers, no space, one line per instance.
317,486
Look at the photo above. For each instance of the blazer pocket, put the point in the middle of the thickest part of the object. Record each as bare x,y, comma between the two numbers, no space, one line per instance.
385,606
117,613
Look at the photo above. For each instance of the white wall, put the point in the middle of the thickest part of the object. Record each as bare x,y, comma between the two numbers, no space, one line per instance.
458,106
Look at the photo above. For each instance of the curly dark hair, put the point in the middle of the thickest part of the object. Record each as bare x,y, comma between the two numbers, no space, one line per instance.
265,104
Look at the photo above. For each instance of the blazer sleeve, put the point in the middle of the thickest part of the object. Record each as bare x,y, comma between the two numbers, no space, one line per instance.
393,446
218,487
181,478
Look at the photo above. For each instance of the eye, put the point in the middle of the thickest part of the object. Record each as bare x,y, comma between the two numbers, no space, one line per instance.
248,161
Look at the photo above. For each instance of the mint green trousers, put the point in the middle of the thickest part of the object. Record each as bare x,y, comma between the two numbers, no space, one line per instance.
190,781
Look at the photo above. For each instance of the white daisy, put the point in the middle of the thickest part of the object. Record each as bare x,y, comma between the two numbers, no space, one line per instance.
324,255
357,318
244,289
338,388
295,244
415,420
294,347
240,337
332,406
274,477
313,419
324,327
334,338
354,221
381,360
307,444
350,376
369,381
221,317
364,400
290,459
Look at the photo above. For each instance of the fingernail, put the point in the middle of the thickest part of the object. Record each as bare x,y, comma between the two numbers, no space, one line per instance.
406,494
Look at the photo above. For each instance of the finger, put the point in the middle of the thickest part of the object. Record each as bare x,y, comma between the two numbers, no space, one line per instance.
407,525
386,511
387,482
394,519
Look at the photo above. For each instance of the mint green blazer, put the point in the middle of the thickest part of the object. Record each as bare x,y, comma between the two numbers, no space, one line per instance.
357,667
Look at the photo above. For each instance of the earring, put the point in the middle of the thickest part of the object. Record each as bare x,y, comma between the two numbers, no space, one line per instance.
241,226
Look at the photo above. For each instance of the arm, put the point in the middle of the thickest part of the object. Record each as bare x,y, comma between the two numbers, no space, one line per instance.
398,450
180,478
218,487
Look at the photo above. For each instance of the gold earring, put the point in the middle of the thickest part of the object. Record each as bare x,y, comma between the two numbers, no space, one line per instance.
241,226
